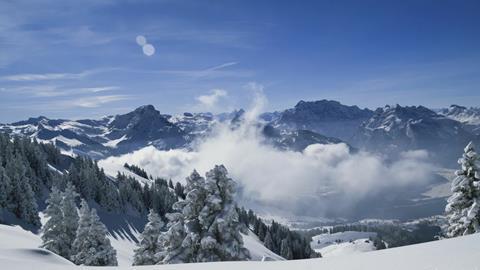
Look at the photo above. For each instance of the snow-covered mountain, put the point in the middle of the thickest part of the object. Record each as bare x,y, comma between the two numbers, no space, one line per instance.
296,140
108,136
145,126
470,117
393,129
327,117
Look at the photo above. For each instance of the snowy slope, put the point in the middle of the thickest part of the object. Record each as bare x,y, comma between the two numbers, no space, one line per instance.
20,247
324,240
15,240
257,250
343,243
17,251
347,248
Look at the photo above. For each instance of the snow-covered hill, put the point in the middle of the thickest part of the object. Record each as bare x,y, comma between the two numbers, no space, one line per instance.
343,243
17,243
18,250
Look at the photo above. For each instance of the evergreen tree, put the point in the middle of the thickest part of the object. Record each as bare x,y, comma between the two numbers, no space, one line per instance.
80,252
463,208
179,190
21,200
220,239
70,216
105,254
91,245
285,250
268,242
145,254
53,229
173,246
5,187
181,241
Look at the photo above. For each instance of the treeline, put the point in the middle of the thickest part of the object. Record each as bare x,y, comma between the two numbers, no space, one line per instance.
278,238
24,174
28,171
136,170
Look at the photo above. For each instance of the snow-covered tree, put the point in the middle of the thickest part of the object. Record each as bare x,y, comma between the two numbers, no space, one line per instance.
206,227
191,208
181,241
173,247
80,252
220,238
70,216
463,208
53,229
145,254
21,200
4,187
268,242
91,245
105,254
285,249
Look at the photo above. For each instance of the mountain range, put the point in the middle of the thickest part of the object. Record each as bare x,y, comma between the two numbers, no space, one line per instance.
387,130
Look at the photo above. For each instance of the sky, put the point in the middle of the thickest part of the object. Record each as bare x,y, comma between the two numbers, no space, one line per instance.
87,59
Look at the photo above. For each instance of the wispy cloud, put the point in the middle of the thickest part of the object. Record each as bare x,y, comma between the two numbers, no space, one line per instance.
222,66
26,77
93,102
55,91
218,71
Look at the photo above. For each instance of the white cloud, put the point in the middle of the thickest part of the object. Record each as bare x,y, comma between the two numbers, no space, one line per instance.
211,101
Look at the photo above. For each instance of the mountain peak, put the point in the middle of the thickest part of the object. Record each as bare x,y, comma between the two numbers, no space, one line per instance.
322,102
145,108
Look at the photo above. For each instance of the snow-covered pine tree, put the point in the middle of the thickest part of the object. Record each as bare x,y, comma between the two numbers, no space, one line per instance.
70,216
463,208
147,248
171,242
80,251
220,238
105,254
191,207
91,245
22,200
268,242
5,187
182,240
285,249
53,229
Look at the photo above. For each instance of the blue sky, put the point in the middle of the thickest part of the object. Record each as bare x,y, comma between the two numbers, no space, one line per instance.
76,59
